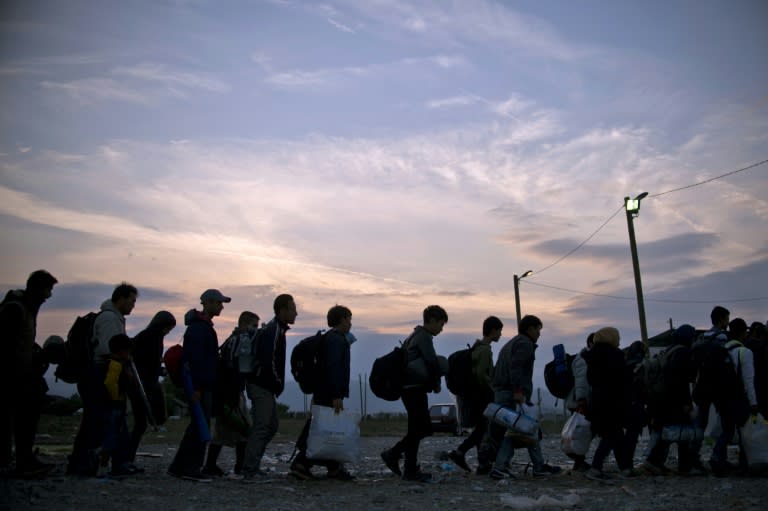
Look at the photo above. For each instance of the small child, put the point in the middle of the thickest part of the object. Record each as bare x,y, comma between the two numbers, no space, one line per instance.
232,419
119,378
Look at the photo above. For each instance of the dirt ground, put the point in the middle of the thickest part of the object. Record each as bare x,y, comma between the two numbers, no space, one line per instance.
377,489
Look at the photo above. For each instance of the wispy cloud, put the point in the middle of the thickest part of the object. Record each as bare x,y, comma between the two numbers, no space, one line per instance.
91,90
333,76
451,102
173,79
340,26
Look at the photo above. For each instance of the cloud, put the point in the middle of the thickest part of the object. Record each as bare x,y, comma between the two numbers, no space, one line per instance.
91,90
340,26
87,296
451,102
172,79
322,78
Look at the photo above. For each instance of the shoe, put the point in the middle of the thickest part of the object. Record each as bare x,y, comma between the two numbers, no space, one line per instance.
197,477
581,466
391,461
121,471
340,474
546,471
459,460
719,469
134,469
596,475
214,471
628,473
483,470
653,469
498,474
300,471
417,475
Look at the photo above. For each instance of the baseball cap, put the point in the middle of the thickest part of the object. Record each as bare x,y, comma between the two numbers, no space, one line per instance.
214,295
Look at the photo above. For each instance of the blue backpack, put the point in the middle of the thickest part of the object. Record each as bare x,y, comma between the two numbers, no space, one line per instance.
558,373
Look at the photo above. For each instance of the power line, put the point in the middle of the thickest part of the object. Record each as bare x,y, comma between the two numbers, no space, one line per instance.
583,242
654,195
659,300
710,179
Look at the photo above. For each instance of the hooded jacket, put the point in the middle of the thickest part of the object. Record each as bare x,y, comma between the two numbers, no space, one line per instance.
108,324
514,368
201,349
148,347
18,328
334,367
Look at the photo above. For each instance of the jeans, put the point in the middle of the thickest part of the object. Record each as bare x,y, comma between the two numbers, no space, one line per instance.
191,454
612,441
419,426
478,433
90,436
265,424
116,437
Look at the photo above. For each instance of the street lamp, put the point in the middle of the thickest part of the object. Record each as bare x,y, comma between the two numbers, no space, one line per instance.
632,207
517,280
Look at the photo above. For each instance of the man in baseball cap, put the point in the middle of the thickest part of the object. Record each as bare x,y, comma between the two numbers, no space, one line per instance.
214,295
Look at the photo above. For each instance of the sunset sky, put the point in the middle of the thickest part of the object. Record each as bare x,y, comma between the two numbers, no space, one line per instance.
387,155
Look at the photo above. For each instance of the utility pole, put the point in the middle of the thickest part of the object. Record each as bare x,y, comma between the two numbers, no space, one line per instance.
632,207
516,280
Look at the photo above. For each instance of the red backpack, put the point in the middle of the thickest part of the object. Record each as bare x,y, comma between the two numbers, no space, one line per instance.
173,362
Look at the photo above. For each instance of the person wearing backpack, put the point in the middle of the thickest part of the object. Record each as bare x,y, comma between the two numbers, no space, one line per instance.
22,383
422,376
480,392
706,364
147,358
580,397
331,388
232,421
673,406
635,414
201,349
605,373
266,383
109,322
735,409
513,387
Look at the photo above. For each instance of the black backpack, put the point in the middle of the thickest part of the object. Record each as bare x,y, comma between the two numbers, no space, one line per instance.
717,378
79,350
388,374
460,380
558,373
305,362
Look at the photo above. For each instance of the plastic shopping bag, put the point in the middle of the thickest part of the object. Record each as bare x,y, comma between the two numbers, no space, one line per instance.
576,435
334,436
754,439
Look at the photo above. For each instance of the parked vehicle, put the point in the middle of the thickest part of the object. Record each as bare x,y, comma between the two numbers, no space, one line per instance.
445,418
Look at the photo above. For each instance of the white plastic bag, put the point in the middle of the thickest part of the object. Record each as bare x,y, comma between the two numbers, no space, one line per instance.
754,439
681,433
576,435
334,436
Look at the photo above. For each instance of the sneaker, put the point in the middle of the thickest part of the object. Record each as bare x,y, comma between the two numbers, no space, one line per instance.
214,471
340,474
121,471
596,475
391,461
197,477
498,474
134,469
417,476
459,460
300,471
546,471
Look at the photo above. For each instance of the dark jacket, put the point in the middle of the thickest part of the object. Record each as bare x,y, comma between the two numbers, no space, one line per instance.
423,367
514,368
270,373
148,348
18,328
605,374
201,348
334,368
677,404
